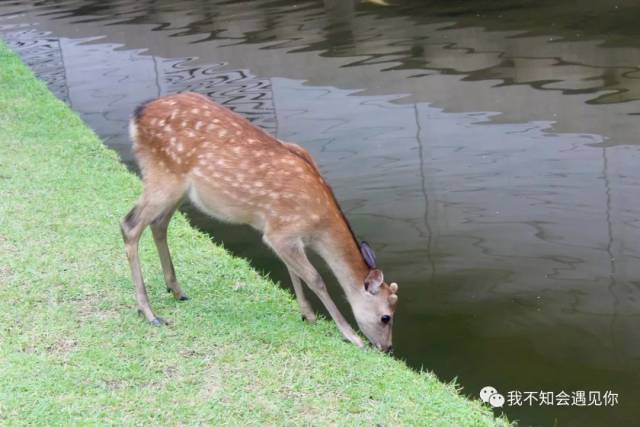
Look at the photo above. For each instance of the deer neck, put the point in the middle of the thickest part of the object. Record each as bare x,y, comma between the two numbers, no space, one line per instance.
342,253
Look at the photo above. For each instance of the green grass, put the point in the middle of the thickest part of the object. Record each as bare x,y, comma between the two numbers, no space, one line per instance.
74,351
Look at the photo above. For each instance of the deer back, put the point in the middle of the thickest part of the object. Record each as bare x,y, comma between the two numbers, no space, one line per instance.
234,170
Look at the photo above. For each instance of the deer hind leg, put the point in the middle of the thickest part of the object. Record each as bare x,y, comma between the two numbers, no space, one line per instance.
303,303
150,206
159,229
291,251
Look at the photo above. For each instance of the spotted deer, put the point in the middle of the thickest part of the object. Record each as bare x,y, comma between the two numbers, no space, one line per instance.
188,146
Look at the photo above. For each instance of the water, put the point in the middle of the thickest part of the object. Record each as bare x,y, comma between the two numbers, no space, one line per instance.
488,151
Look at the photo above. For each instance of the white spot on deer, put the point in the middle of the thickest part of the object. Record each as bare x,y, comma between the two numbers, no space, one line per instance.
153,122
191,134
263,165
211,127
240,177
198,125
183,124
216,121
174,114
161,123
258,184
238,132
237,149
207,113
168,129
290,218
179,147
235,124
299,169
222,133
221,162
172,140
195,111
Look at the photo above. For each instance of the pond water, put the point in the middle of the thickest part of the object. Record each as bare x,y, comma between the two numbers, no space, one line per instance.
488,151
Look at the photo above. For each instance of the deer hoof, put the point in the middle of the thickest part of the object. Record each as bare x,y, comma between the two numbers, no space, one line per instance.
183,298
310,318
158,321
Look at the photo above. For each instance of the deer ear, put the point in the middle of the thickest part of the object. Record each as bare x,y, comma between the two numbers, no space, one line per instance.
373,281
368,254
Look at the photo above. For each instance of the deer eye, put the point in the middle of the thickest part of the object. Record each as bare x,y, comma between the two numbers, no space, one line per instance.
385,319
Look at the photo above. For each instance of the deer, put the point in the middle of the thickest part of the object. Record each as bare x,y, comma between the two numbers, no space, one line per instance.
188,146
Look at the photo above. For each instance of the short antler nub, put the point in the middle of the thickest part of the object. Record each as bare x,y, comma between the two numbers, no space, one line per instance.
393,298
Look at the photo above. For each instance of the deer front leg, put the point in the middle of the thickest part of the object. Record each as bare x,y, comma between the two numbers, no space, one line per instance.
151,206
293,255
159,229
132,227
303,303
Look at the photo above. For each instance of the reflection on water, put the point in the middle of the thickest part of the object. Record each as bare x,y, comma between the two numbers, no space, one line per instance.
489,151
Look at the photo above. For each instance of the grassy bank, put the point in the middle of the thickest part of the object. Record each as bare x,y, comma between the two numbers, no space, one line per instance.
73,350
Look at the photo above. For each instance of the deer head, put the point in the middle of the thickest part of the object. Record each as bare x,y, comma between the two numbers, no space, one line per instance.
374,305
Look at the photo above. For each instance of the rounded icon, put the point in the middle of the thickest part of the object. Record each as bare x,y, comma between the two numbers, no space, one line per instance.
487,392
496,400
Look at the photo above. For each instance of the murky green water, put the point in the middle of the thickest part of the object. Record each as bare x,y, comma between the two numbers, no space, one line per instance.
488,150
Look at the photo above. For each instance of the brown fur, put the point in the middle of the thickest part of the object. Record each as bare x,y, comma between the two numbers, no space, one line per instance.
188,145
